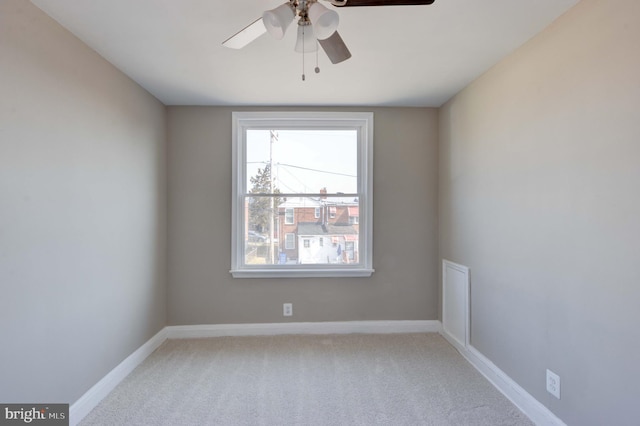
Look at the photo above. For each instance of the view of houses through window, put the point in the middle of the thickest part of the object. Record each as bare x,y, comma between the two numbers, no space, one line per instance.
301,203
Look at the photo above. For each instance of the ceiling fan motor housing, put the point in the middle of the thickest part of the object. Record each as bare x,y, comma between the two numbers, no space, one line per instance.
316,21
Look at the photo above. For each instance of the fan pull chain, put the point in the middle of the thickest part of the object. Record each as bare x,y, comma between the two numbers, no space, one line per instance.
317,67
303,54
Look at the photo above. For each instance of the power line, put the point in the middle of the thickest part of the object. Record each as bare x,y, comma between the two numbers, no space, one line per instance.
284,185
317,170
304,185
304,168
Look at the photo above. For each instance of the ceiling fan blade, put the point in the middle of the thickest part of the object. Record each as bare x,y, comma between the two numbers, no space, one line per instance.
353,3
246,35
335,48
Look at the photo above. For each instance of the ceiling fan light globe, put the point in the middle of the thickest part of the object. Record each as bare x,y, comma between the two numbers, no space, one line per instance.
306,41
277,20
325,21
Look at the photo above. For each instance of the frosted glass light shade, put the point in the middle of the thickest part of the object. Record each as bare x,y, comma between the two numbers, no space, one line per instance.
306,36
325,21
277,20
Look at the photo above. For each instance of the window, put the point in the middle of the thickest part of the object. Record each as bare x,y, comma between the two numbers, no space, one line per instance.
290,241
353,215
289,216
349,249
302,174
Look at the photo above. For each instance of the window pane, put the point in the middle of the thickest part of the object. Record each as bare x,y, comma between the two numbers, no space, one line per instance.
289,216
290,242
261,243
306,237
303,239
304,161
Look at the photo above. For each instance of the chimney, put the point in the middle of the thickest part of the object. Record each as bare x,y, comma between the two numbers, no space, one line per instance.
324,192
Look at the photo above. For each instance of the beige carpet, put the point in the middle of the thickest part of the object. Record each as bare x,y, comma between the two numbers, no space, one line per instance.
357,379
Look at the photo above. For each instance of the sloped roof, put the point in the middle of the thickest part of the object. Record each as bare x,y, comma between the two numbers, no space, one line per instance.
317,202
300,202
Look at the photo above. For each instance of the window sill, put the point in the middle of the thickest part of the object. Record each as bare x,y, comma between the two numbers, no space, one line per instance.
301,273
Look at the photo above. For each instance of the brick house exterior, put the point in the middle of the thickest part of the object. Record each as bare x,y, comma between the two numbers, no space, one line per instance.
318,230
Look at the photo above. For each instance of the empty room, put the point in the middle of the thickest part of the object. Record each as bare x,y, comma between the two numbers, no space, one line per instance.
336,212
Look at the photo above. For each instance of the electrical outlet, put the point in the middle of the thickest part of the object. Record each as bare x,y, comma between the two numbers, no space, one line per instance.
287,309
553,384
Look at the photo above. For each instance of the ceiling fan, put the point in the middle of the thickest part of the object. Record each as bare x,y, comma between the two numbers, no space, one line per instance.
315,22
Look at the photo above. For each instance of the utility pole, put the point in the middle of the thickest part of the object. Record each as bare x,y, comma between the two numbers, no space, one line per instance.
273,138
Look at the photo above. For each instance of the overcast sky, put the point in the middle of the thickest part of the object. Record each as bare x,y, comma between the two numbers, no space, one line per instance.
332,154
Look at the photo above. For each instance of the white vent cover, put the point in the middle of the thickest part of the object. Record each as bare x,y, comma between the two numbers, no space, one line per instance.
455,303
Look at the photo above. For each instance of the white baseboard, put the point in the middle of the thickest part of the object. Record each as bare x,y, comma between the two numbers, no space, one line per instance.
531,407
271,329
87,402
455,343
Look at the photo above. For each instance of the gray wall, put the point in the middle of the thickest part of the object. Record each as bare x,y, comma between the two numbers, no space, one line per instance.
82,211
540,197
404,286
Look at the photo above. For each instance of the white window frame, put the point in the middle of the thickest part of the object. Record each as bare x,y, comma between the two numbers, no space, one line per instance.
291,246
286,216
360,121
316,213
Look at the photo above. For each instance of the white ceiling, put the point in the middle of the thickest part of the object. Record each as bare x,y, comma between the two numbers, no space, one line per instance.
402,56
